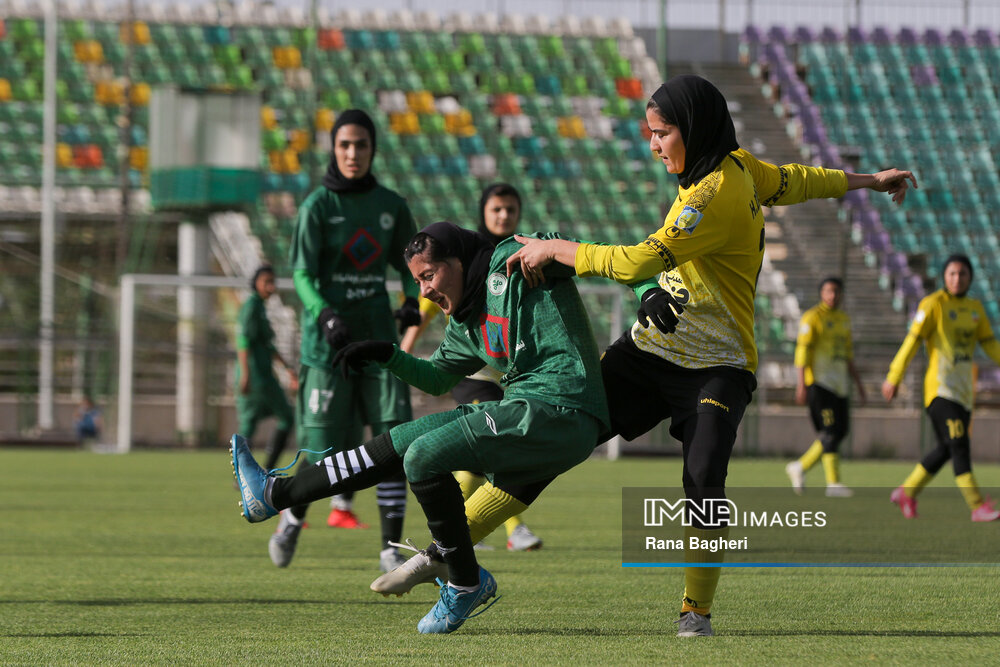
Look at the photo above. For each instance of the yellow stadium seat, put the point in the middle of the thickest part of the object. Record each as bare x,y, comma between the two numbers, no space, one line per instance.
139,95
324,120
420,101
459,124
110,93
140,33
299,141
64,155
268,119
286,57
290,162
571,127
5,94
274,161
405,122
138,157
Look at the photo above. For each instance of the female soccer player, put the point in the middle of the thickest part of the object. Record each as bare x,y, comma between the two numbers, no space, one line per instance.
708,253
499,216
548,420
951,324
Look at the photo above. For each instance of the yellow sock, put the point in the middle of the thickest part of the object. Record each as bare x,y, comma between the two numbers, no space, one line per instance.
808,460
831,466
469,482
488,508
917,480
700,582
512,523
970,490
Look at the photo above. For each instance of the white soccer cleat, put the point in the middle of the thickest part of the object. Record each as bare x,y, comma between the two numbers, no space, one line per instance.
281,546
693,624
797,476
522,539
419,569
389,559
838,490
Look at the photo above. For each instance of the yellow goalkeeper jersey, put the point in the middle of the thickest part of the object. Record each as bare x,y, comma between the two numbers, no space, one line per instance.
824,347
951,326
711,247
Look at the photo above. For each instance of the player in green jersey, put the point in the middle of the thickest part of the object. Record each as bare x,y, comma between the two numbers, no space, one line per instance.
548,421
349,232
258,393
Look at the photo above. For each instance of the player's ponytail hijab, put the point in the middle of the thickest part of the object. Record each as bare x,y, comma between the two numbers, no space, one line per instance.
701,114
333,179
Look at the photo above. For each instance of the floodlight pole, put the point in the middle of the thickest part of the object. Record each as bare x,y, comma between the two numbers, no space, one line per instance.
46,351
661,40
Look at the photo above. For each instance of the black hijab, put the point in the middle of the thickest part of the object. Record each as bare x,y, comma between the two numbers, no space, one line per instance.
333,179
474,252
497,189
699,111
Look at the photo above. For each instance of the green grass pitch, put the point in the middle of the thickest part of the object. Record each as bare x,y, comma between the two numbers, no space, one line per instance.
144,559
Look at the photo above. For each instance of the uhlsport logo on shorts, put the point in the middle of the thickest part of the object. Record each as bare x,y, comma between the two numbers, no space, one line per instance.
496,283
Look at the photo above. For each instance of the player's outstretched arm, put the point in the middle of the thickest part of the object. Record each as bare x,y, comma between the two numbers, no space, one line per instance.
894,181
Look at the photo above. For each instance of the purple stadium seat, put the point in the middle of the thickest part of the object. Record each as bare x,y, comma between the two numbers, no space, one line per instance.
778,34
753,34
881,36
855,35
829,35
913,287
933,37
896,261
958,37
907,36
985,38
804,35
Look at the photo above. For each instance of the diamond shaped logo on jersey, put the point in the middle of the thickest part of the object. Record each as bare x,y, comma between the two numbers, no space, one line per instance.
495,335
362,249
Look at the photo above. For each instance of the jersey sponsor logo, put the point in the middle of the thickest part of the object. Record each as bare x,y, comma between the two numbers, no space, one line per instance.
688,219
336,219
494,330
386,221
496,284
492,425
362,249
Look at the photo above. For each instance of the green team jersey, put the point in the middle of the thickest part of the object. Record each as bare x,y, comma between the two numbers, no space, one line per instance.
254,334
345,242
539,339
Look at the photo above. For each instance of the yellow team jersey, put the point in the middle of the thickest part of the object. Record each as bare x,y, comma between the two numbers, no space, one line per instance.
824,347
951,326
429,310
711,247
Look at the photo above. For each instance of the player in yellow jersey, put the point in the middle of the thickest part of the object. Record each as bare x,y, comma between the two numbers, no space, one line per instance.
499,216
824,357
951,324
707,255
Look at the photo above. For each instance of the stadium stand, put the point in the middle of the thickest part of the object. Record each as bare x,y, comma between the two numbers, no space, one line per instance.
461,101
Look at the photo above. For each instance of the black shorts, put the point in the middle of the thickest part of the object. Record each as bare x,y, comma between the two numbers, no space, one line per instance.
472,391
829,412
644,389
950,421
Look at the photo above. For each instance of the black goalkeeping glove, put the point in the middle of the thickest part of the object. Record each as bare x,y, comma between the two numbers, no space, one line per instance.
354,356
408,314
334,328
659,307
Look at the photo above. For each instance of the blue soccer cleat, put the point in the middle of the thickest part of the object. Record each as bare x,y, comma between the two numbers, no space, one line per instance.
252,480
453,608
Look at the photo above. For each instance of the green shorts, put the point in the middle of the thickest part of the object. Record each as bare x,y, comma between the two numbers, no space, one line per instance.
512,441
333,411
261,403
